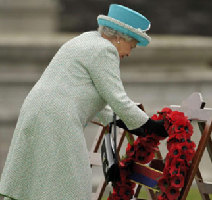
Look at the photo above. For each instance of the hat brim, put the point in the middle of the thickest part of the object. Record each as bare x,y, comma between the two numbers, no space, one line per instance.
138,34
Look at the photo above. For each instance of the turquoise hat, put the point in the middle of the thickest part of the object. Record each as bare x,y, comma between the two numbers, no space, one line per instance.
128,22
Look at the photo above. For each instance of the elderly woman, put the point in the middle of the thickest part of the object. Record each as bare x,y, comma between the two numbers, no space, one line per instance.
48,158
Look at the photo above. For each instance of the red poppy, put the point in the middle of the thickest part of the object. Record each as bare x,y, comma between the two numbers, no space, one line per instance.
182,121
166,110
190,144
115,192
121,191
178,128
129,147
177,181
183,170
114,197
167,125
154,117
190,155
186,157
178,117
166,171
130,150
138,146
168,159
177,162
172,193
144,159
162,197
174,170
186,146
171,130
163,183
125,190
178,136
170,142
126,162
189,128
175,151
150,141
161,116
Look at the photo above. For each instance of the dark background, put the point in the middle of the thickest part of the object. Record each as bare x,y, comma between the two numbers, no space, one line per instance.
188,17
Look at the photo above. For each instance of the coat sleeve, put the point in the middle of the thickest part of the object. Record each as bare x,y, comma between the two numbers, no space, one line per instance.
105,74
105,116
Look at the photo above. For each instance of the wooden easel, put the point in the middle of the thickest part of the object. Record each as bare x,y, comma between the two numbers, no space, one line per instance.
95,157
193,107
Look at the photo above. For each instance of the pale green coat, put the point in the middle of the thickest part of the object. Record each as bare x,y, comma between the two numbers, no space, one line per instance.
48,158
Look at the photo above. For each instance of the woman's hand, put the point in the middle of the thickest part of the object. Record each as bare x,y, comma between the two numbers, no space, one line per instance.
151,126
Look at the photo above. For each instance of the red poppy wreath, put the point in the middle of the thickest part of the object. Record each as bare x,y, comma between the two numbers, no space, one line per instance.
180,153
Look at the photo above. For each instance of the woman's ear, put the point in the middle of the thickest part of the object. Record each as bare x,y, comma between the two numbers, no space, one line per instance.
118,39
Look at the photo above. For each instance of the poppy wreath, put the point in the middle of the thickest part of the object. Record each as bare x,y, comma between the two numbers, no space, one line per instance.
142,150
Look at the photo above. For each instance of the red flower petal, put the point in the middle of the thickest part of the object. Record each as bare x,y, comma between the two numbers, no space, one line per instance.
177,181
154,117
166,110
172,193
163,183
162,197
146,158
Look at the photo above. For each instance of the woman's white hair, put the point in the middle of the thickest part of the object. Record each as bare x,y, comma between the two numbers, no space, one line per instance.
113,33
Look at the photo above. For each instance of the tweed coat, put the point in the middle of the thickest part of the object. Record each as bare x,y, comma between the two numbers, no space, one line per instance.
48,157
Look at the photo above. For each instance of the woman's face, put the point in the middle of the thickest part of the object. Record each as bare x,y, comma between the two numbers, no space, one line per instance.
125,47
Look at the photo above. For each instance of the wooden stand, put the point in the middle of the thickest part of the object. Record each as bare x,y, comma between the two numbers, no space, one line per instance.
95,157
194,108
